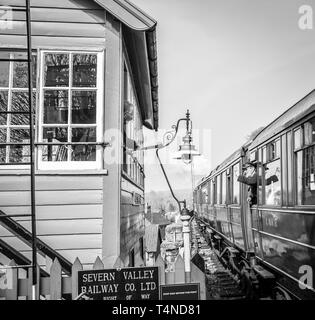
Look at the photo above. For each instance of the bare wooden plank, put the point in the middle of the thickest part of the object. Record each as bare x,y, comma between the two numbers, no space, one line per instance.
61,15
55,281
159,262
55,212
179,270
76,267
57,29
12,282
75,182
73,4
98,264
22,198
75,43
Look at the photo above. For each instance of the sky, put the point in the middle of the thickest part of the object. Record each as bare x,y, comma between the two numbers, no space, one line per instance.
236,64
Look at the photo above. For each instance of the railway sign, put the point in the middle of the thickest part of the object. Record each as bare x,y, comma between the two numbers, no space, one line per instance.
183,291
120,284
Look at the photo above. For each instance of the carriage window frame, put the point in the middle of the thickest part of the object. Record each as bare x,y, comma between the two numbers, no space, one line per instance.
98,163
218,189
299,152
224,180
236,165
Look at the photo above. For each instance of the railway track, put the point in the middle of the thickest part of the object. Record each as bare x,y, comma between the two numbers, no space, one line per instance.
221,284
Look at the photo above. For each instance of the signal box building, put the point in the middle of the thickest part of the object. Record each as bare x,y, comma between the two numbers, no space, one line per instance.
95,88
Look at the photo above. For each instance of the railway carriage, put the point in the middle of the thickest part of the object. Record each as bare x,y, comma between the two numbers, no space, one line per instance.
270,244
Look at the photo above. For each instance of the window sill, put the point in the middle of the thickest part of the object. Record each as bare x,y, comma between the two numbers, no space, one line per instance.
20,172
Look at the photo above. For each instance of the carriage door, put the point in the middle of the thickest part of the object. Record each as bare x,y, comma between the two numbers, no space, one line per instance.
246,215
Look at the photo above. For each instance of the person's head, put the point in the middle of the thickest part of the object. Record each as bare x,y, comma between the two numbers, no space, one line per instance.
250,168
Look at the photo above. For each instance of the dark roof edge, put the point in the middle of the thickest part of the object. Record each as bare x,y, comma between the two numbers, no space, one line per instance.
145,24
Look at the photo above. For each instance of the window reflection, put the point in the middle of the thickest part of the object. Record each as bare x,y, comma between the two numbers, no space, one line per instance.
84,107
20,104
56,106
236,185
56,70
273,183
3,107
19,153
4,73
306,176
84,70
3,138
83,152
309,131
55,152
20,72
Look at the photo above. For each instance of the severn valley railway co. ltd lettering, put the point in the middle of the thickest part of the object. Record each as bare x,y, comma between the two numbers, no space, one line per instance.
120,284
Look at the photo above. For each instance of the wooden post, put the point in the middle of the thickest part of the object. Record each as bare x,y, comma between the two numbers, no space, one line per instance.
76,267
98,264
55,281
11,293
159,262
179,270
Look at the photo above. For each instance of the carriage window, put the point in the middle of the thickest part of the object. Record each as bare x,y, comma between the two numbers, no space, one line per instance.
205,194
69,123
14,126
274,150
297,139
223,201
273,183
236,184
309,132
210,186
306,176
218,198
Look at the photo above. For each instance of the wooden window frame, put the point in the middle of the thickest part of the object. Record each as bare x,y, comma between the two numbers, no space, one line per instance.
99,124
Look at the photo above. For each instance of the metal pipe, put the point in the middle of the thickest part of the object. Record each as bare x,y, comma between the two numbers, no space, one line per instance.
32,147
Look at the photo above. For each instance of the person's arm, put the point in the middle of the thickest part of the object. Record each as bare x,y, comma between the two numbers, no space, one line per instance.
247,180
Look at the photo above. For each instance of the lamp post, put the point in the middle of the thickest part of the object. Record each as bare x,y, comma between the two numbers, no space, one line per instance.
186,152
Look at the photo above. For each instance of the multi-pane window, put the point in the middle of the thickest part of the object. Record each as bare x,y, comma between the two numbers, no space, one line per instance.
70,118
305,166
14,108
132,133
236,184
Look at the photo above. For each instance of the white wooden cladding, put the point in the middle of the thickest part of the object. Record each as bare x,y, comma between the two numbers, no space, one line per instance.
58,15
58,29
62,227
74,43
55,212
66,4
53,197
22,183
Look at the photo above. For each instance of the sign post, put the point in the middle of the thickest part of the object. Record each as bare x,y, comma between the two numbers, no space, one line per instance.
120,284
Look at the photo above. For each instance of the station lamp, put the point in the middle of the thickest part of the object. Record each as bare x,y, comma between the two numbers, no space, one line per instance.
186,153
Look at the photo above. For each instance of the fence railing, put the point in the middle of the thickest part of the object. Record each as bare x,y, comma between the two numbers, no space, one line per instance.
57,285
